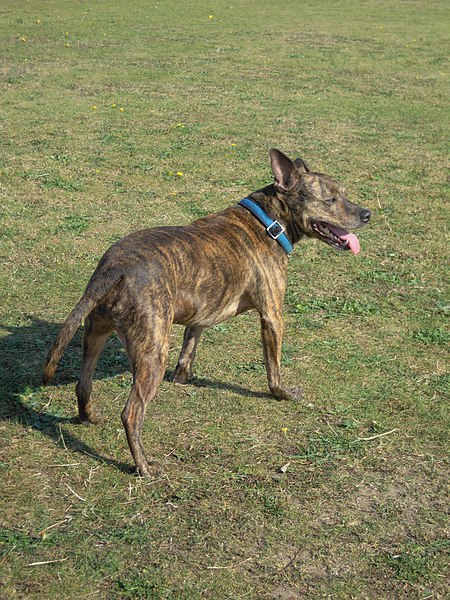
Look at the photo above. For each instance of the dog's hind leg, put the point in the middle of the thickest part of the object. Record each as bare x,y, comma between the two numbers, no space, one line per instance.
148,353
97,330
183,371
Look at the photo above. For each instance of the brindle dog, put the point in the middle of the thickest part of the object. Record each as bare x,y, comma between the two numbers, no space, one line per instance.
198,275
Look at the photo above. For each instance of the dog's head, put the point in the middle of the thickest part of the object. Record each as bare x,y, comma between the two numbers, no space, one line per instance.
318,204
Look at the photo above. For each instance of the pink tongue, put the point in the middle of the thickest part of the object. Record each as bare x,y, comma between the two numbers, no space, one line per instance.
350,238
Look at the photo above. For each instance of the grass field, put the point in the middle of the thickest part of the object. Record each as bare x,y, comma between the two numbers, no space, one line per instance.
121,115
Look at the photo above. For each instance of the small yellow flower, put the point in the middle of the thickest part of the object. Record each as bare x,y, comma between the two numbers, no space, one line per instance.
180,173
121,109
233,145
66,33
113,105
66,45
23,39
210,17
94,107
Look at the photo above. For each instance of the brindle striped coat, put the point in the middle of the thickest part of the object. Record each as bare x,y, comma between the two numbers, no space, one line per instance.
198,275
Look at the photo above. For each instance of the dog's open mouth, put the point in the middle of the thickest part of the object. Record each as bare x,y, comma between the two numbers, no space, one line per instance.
336,236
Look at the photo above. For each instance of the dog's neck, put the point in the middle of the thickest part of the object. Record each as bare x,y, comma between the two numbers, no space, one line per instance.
276,206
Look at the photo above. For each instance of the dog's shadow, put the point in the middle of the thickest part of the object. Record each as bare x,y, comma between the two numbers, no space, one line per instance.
23,349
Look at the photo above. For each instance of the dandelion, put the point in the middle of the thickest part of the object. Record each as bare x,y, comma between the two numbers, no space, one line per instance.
210,17
121,109
180,173
113,105
66,45
94,107
233,145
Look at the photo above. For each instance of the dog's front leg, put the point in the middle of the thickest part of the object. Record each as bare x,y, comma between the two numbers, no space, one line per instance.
272,336
183,371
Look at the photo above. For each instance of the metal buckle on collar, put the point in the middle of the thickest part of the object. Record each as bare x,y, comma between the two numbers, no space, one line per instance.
275,229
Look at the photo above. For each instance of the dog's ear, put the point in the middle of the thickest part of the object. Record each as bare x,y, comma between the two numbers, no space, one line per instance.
301,165
284,171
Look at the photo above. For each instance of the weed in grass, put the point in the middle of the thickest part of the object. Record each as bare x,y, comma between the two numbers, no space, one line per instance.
50,183
416,562
8,232
442,308
19,540
336,306
382,276
272,506
440,383
145,167
142,584
288,354
74,224
436,335
221,328
328,344
193,209
322,448
61,158
251,366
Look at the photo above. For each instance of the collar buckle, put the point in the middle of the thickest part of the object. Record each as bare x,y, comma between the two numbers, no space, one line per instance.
275,229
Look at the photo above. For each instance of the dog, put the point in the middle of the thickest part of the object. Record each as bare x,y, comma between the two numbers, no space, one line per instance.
198,275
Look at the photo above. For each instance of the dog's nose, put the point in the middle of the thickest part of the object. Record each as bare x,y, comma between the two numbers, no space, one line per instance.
364,215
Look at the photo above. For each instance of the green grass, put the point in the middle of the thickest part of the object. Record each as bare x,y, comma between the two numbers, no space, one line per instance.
117,116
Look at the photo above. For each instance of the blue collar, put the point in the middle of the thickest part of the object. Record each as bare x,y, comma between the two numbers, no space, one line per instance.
273,228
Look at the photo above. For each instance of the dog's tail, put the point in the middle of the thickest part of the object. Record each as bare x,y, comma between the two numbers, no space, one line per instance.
93,295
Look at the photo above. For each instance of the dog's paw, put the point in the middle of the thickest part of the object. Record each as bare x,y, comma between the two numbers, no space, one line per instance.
91,418
149,470
182,377
288,393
